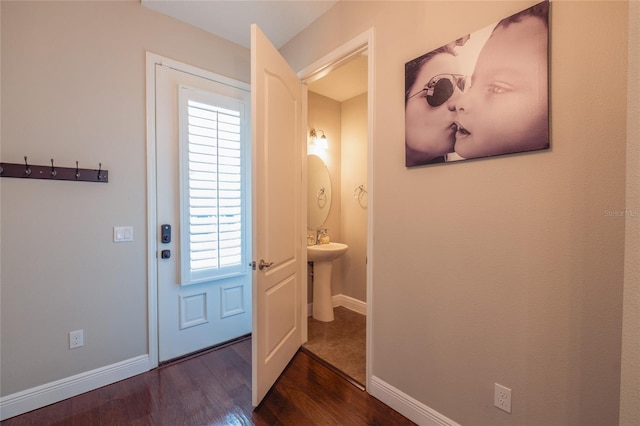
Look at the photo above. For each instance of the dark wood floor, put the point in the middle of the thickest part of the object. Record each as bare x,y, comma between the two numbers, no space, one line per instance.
214,388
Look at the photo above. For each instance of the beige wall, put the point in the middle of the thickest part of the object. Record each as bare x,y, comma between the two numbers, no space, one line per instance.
502,270
347,164
354,211
73,88
324,114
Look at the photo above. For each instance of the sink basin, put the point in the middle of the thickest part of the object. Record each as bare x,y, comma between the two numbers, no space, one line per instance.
325,252
322,256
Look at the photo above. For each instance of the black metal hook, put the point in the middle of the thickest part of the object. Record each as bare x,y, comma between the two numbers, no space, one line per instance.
27,169
77,171
99,170
54,172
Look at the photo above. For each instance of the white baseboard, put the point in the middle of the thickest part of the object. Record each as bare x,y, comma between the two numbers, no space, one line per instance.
49,393
407,406
341,300
350,303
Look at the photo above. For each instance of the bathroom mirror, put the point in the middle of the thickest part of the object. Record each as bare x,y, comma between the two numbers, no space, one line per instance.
318,192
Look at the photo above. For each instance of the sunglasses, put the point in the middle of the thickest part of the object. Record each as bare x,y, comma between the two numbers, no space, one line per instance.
440,88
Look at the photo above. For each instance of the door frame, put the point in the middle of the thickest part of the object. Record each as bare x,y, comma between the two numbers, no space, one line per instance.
152,60
320,68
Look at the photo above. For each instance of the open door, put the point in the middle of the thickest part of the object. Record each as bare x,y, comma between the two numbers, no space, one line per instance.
279,278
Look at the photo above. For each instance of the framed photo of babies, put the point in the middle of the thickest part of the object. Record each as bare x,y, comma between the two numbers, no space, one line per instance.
482,95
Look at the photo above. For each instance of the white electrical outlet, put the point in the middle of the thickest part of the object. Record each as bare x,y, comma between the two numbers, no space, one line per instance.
76,339
502,398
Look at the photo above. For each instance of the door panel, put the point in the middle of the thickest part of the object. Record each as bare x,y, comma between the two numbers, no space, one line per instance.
279,290
195,316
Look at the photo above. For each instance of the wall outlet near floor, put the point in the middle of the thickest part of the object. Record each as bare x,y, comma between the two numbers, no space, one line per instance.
76,339
502,398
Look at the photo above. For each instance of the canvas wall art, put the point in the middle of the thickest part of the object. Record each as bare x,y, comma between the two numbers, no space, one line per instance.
484,94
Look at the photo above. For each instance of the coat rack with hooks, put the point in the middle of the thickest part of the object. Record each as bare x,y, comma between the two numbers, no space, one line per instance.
53,172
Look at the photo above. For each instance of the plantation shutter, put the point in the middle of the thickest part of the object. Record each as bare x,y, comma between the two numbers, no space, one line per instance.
213,212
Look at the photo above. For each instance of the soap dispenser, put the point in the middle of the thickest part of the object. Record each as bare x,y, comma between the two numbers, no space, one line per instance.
311,239
324,236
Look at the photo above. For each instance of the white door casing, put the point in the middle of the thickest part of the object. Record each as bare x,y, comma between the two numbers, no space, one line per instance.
192,316
278,102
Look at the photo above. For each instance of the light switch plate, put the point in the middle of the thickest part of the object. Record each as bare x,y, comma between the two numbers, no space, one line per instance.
122,234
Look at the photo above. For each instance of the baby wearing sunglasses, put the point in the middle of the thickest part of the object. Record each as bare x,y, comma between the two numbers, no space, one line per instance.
430,92
505,110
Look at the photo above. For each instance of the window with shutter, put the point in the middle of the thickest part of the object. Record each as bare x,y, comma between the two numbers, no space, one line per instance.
213,213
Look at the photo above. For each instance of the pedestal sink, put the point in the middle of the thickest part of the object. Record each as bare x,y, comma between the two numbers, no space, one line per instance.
322,256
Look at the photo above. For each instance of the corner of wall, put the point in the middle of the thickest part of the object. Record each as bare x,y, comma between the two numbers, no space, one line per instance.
630,359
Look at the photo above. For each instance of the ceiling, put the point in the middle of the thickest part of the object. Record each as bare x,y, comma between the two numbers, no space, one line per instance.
232,19
345,82
279,20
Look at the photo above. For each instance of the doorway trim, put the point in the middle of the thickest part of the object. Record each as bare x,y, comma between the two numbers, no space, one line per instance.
152,60
361,43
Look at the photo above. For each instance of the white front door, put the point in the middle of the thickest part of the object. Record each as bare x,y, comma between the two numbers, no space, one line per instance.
279,292
202,195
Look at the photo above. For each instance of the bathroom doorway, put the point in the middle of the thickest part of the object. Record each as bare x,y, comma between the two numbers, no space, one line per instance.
339,109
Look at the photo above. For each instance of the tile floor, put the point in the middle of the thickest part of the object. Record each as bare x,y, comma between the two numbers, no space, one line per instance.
341,342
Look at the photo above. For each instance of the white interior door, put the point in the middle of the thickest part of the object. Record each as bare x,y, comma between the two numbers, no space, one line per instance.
202,193
279,291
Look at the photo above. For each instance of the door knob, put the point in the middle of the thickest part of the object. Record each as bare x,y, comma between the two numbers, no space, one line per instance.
264,264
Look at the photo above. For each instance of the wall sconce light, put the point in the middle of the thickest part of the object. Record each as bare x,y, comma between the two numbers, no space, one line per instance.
318,142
